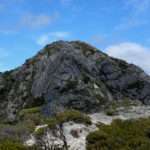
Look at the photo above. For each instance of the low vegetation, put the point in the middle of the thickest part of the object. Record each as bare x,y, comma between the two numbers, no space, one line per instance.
121,135
112,108
16,132
9,144
27,111
40,132
27,121
32,117
69,115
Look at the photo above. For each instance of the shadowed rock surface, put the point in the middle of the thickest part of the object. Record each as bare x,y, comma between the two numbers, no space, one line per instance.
67,75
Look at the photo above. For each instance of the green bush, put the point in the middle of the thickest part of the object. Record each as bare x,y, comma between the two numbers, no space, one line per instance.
27,111
31,117
52,122
112,107
8,144
73,115
121,135
68,115
110,112
16,132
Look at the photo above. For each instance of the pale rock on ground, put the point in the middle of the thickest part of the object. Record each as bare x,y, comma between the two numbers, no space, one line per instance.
40,127
133,112
31,141
77,142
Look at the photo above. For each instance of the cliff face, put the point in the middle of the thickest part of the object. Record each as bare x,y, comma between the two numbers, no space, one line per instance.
70,75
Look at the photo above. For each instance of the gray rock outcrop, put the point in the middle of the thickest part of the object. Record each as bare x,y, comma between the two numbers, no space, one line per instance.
67,75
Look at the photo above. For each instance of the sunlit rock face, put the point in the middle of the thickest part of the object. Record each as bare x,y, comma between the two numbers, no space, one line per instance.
66,75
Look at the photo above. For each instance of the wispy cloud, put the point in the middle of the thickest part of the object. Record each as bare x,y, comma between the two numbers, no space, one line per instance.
136,13
131,52
130,22
37,20
29,21
52,36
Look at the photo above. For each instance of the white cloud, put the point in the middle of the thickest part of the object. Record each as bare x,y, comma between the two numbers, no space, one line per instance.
53,36
43,40
34,21
132,53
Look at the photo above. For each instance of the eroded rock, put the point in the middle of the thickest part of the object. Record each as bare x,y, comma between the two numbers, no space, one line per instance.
66,75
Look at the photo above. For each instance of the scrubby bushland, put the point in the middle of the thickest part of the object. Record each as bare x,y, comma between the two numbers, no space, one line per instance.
31,110
17,132
25,125
113,107
68,115
121,135
32,116
9,144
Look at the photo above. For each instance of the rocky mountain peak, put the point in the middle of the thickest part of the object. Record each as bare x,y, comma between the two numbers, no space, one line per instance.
70,75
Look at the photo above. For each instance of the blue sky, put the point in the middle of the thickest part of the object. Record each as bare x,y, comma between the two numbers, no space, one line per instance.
118,27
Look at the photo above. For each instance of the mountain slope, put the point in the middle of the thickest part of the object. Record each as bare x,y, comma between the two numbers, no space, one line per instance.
67,75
